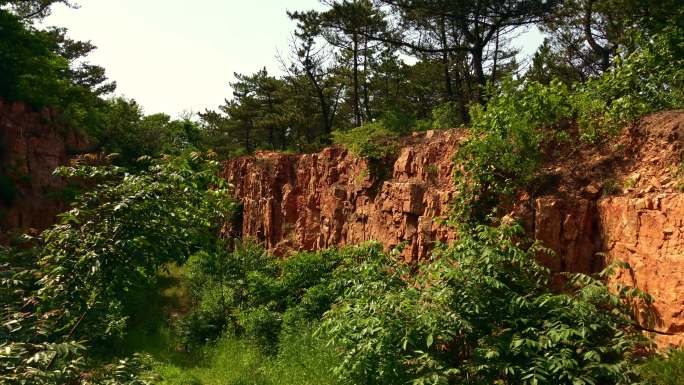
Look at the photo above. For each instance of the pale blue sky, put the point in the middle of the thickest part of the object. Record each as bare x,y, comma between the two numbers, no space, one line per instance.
179,55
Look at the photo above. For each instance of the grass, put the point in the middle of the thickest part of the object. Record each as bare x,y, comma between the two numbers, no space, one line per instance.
664,370
303,359
232,361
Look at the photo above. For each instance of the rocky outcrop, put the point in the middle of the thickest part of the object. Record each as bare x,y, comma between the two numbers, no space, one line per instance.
31,147
616,202
312,201
646,232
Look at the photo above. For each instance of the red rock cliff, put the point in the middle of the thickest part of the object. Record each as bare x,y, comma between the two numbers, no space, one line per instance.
620,201
31,147
331,198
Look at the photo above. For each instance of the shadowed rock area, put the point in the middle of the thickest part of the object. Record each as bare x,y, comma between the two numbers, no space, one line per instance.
31,147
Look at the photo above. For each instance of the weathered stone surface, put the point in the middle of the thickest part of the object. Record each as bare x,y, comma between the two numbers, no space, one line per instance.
31,147
651,241
585,235
331,198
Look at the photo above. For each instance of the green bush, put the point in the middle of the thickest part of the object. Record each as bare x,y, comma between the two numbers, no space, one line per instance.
220,285
650,79
446,115
423,125
262,326
371,141
483,313
78,280
249,292
504,151
398,121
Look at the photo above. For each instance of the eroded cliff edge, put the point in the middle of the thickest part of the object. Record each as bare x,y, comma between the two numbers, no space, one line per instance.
619,201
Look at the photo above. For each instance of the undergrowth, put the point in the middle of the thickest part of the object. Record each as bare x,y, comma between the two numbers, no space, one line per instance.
224,360
482,312
304,360
667,369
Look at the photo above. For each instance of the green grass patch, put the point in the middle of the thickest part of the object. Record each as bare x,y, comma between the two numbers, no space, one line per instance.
664,370
301,359
372,140
150,329
231,361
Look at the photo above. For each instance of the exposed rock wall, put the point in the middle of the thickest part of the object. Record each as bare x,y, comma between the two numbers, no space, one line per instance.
31,147
646,232
313,201
331,198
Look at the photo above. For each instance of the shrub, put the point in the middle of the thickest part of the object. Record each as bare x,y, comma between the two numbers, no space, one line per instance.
664,370
220,285
249,292
32,351
503,152
398,122
446,116
482,313
262,325
368,141
423,125
650,79
116,237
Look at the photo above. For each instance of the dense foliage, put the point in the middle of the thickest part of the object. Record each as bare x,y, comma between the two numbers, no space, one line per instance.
35,68
247,292
482,313
354,62
665,370
522,118
70,286
371,140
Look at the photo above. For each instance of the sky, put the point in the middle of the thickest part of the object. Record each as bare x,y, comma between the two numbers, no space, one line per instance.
178,56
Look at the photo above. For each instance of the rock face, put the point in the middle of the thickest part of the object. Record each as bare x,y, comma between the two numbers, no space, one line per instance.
646,232
612,203
313,201
31,147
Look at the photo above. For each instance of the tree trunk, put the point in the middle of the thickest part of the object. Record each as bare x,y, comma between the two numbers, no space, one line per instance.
445,61
355,81
603,52
464,94
476,52
366,96
496,55
248,144
325,109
